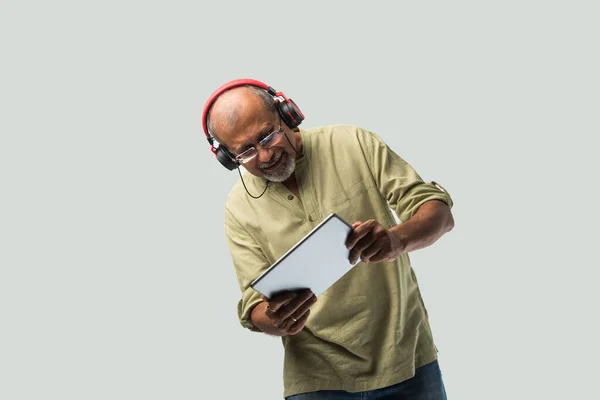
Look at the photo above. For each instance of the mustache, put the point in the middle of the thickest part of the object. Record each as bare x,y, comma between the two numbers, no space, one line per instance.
273,161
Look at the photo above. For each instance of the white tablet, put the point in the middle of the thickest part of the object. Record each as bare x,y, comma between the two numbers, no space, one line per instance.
316,262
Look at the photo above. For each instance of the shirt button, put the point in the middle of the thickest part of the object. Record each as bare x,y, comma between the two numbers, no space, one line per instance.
290,197
310,218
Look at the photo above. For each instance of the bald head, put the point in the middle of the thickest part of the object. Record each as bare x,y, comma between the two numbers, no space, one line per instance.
231,105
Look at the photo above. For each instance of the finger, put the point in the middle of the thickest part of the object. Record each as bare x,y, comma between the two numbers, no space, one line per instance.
289,322
364,243
358,249
300,311
356,233
281,318
281,300
353,256
381,255
269,311
359,232
280,315
376,235
353,233
293,306
299,325
368,253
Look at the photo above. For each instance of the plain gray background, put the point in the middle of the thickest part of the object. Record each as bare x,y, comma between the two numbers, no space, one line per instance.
116,282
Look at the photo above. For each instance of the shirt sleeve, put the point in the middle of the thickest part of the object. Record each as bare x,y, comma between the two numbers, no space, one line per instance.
249,262
397,180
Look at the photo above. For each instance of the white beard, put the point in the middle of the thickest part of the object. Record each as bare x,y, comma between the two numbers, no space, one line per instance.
284,171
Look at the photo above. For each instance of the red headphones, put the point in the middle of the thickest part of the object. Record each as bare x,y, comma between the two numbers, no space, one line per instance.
287,109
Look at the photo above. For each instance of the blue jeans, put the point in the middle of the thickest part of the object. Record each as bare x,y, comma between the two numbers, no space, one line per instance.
427,384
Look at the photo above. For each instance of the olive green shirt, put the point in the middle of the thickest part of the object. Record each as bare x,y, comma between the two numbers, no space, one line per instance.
370,329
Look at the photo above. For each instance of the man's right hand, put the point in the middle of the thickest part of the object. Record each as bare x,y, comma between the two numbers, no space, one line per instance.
284,314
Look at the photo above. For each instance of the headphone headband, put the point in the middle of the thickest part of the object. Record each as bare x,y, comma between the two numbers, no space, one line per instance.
225,87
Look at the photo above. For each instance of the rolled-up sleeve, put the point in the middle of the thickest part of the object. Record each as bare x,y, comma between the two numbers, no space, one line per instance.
249,262
397,181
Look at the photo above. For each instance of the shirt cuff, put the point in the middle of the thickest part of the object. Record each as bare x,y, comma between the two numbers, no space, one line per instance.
420,194
250,298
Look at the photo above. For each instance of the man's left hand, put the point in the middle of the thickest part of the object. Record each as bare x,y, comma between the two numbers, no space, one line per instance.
371,242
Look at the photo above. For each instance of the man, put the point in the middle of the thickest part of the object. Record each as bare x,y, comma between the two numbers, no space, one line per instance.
369,332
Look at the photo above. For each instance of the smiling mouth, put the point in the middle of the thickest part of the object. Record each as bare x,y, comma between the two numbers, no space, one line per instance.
275,164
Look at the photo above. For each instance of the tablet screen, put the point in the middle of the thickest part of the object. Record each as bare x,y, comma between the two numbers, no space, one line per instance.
316,262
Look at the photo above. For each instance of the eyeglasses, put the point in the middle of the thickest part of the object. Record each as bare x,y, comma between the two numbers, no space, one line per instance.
267,142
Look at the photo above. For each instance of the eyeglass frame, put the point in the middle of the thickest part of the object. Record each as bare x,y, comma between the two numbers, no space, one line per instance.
279,131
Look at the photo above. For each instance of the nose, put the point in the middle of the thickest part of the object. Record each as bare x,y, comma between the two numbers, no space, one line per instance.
264,155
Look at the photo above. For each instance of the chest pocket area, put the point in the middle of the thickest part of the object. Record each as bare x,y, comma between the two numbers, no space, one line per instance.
353,202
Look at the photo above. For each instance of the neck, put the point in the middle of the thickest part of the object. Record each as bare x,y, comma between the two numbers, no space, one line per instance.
292,185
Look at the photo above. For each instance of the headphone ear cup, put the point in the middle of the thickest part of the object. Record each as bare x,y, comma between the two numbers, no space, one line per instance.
226,158
290,113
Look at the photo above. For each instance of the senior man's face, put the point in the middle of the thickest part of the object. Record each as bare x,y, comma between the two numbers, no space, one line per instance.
275,162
